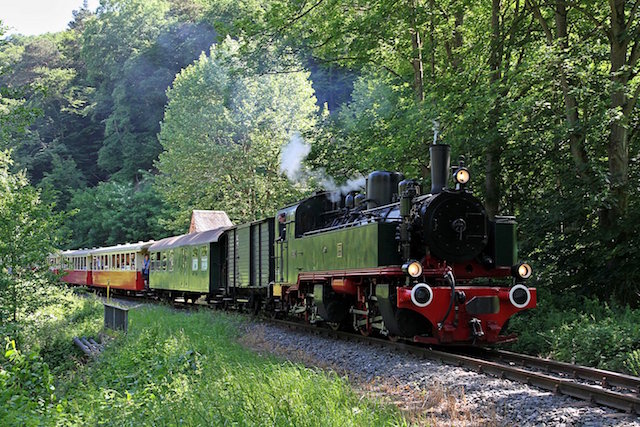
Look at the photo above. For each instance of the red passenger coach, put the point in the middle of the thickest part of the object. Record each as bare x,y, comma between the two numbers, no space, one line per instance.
120,267
76,266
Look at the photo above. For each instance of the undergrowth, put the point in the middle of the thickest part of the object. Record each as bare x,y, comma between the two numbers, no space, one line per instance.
172,368
580,330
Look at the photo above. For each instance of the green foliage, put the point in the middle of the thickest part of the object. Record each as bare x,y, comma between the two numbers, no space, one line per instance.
171,368
222,134
26,387
580,330
133,50
29,231
42,355
113,213
633,363
50,329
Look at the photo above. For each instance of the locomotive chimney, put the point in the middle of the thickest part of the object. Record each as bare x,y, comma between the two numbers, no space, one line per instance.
440,165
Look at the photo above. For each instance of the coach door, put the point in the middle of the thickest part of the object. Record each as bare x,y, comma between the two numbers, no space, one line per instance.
281,247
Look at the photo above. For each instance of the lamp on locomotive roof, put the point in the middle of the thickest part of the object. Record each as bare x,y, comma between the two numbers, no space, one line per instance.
461,176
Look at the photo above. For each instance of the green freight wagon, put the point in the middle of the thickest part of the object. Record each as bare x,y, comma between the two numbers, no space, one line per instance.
187,266
250,259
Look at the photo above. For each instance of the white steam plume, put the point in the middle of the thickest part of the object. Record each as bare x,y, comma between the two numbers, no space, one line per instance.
436,131
291,163
293,154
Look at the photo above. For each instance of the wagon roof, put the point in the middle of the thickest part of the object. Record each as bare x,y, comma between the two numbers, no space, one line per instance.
192,239
208,220
127,247
74,252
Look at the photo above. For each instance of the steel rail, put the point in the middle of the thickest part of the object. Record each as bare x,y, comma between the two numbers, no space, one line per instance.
628,402
603,377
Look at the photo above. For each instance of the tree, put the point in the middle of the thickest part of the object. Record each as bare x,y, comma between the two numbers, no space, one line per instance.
112,213
133,50
29,231
618,28
222,134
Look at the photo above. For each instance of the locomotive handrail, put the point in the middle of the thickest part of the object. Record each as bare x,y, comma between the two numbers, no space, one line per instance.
337,227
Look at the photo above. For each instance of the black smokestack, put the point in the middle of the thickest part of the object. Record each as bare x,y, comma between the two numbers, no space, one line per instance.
440,164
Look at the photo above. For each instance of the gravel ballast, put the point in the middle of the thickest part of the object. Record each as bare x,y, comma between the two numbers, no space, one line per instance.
428,391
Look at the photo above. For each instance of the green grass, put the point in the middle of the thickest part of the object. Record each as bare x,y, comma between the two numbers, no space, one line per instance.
179,368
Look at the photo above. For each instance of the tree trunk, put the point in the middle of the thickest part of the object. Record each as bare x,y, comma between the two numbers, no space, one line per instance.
618,148
575,129
416,43
494,148
432,40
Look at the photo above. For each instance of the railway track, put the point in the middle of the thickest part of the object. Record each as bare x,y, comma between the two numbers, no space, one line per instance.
600,387
597,386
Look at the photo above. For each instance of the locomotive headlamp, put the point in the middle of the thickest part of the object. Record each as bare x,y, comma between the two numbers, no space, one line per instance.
523,270
413,268
462,176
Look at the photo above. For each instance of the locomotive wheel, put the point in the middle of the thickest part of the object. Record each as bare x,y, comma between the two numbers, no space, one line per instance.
365,328
333,325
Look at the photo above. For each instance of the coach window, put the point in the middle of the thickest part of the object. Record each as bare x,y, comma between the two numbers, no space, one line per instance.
164,261
194,259
203,259
171,260
133,261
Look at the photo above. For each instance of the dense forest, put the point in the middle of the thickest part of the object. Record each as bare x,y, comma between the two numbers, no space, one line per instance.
141,111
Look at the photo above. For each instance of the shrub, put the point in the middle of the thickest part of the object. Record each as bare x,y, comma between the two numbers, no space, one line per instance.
26,387
581,330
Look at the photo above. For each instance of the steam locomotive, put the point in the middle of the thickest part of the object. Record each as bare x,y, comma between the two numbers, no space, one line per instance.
429,268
